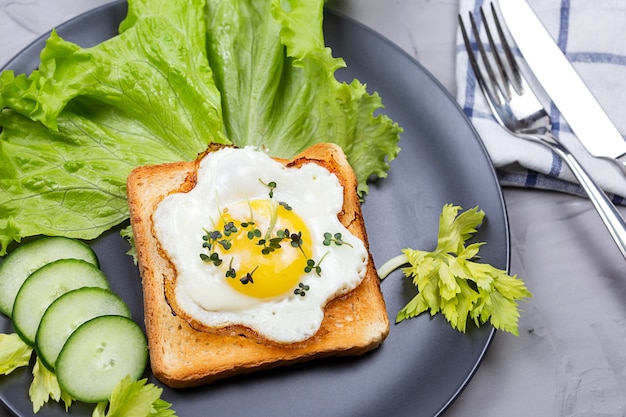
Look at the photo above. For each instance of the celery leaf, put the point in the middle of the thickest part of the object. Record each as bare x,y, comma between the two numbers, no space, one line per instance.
44,387
134,399
449,280
14,353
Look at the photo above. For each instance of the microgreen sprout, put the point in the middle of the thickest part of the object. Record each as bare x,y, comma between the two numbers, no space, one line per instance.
285,205
231,273
273,220
254,233
209,240
213,258
251,221
296,239
336,238
248,278
271,185
230,228
301,290
312,266
269,245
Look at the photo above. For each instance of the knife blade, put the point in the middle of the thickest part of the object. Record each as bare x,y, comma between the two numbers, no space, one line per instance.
559,79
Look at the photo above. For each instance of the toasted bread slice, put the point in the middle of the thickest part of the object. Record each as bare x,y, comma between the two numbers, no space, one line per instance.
182,356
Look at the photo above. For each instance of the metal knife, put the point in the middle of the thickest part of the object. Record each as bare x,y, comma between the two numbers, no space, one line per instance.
564,86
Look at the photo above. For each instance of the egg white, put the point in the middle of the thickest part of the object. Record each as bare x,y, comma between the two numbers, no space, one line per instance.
227,177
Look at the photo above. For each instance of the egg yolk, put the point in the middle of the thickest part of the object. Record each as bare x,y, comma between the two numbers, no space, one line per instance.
264,248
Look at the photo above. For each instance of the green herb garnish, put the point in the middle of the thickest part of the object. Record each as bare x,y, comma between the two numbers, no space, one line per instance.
209,241
271,185
301,290
230,228
213,258
337,238
231,273
269,245
312,266
254,233
248,277
451,282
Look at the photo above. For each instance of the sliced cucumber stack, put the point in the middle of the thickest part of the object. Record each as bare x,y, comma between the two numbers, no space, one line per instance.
67,313
98,355
60,302
30,256
45,285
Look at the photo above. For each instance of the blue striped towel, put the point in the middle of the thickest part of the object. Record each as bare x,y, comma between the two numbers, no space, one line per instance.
591,33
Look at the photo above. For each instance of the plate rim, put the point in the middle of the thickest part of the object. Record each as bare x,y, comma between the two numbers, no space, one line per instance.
35,45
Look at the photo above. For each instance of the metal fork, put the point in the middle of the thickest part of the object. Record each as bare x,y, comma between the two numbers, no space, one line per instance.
517,109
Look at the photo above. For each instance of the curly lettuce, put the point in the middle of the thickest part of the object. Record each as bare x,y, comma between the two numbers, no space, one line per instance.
279,89
180,75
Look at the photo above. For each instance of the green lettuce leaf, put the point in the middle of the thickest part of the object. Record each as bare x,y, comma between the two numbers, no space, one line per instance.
75,128
155,71
279,88
70,182
180,74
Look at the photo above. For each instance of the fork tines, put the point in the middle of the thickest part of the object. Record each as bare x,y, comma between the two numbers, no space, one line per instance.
508,70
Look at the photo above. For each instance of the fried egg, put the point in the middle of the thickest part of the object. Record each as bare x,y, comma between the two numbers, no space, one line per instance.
259,244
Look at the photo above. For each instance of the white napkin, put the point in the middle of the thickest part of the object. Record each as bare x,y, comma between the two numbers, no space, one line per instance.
591,33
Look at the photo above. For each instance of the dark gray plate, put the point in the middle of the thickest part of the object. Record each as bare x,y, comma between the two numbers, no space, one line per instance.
424,364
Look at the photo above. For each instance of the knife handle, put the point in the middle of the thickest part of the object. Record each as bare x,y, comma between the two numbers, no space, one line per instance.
609,214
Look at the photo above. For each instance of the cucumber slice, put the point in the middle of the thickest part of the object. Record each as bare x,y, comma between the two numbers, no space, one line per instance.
68,312
47,284
98,355
32,255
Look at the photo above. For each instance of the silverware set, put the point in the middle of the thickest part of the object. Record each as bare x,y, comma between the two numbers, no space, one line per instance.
517,109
